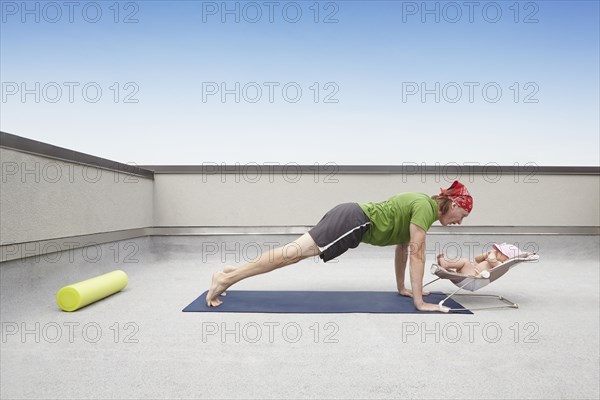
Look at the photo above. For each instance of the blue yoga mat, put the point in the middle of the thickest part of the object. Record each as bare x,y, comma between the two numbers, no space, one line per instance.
285,302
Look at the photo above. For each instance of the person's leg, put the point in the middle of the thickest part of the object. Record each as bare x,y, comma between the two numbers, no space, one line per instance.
291,253
456,264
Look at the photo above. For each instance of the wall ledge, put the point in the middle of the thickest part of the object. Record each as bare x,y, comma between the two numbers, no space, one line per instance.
16,251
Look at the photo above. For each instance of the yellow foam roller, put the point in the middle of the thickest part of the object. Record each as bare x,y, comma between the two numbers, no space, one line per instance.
80,294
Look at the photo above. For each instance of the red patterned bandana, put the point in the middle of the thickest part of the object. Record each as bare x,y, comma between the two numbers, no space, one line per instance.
460,195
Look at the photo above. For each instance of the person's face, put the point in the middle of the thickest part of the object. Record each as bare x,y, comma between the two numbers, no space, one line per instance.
500,257
454,216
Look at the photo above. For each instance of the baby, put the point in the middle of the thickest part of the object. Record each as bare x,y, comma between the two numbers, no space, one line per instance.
483,262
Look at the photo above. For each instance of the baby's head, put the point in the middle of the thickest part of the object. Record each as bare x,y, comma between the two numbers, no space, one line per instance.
507,251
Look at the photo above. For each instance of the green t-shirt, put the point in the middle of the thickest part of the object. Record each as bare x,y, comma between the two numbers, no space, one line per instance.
391,219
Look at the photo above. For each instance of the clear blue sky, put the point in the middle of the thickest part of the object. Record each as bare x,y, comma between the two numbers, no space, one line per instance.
382,82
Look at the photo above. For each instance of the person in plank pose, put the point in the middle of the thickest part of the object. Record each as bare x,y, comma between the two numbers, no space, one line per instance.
403,220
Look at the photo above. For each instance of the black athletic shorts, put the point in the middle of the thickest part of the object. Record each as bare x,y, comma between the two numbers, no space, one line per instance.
342,228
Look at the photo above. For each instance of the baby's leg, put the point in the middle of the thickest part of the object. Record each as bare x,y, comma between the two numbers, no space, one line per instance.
455,264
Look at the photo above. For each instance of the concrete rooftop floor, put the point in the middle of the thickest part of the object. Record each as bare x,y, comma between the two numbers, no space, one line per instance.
138,343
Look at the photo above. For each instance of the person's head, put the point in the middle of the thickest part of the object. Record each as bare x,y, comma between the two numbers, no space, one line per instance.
455,203
506,251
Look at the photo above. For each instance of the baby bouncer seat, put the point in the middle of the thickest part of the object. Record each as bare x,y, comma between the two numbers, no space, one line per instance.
476,282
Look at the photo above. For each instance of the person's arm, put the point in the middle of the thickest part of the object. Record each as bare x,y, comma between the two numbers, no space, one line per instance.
417,266
482,257
493,259
400,265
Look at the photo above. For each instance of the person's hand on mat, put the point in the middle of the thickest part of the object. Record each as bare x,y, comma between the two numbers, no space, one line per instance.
409,293
432,307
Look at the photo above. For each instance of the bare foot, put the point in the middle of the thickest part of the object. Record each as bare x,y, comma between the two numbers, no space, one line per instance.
229,268
217,287
441,259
